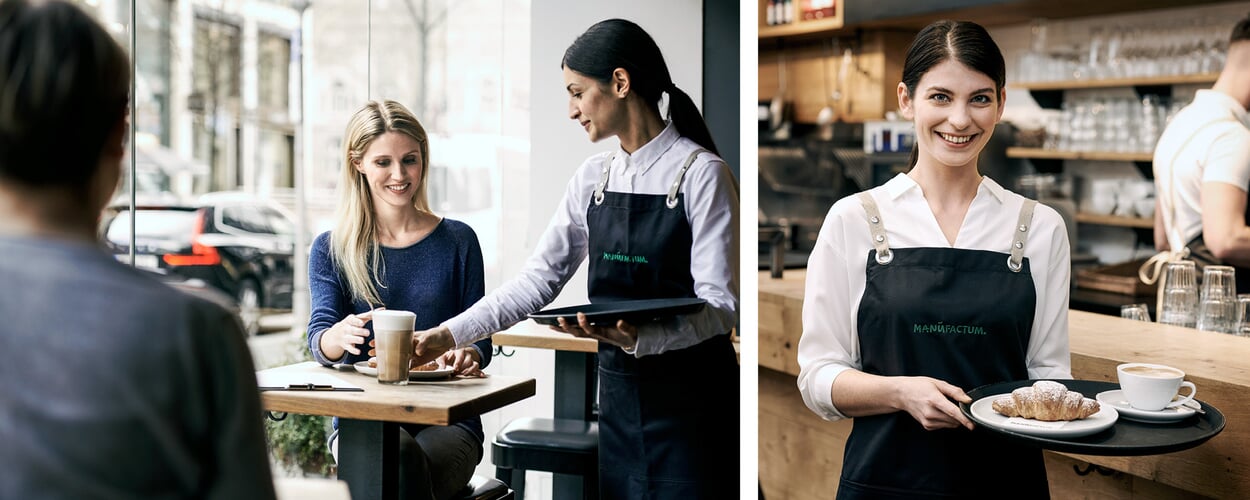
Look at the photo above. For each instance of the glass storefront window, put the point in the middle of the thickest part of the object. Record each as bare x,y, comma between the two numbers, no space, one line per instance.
220,104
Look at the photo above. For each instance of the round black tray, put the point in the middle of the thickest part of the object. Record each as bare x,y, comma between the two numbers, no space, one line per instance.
632,311
1125,438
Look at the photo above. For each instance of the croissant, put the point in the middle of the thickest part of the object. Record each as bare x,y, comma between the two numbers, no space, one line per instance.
1047,401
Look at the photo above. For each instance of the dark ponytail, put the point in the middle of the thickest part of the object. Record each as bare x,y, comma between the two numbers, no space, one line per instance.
964,41
617,43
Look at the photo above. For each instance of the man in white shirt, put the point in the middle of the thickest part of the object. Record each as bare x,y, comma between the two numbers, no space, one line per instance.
1202,168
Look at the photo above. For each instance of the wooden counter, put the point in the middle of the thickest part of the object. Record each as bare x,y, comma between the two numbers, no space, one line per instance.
1219,364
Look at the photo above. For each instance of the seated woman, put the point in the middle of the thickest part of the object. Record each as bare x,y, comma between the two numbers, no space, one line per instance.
388,250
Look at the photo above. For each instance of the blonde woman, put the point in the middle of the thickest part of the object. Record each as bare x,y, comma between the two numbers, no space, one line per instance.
389,250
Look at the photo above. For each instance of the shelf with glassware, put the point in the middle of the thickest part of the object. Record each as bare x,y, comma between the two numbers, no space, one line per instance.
781,18
1090,128
1155,81
1055,154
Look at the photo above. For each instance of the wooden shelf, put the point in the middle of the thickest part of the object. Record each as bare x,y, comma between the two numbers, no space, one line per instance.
800,27
1204,78
1114,220
1051,154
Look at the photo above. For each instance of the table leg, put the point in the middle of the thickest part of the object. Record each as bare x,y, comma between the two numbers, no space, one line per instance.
576,373
574,385
369,458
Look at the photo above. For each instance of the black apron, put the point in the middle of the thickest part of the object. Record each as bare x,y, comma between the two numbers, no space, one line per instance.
1203,257
668,423
962,316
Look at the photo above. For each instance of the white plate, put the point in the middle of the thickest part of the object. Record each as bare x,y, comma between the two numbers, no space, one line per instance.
1115,398
983,412
363,368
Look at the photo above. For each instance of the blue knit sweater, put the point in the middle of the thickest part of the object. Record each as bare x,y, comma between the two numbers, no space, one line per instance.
436,278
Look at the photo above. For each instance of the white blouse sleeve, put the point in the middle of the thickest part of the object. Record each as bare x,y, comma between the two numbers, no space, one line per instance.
711,202
1048,355
829,344
556,258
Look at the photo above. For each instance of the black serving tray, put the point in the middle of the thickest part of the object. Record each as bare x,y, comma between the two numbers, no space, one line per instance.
1125,438
634,312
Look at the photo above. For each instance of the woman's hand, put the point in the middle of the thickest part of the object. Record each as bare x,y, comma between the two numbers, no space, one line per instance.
624,335
465,362
929,401
428,345
346,335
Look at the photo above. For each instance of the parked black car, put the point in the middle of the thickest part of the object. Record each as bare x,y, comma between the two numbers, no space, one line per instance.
240,245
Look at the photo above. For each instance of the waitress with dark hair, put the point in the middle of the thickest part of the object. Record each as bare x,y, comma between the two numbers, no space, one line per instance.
658,218
935,283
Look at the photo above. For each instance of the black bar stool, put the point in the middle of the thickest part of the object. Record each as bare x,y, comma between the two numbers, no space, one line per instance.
559,446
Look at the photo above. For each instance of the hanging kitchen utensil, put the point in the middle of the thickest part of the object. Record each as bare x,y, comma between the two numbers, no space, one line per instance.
827,114
848,62
777,108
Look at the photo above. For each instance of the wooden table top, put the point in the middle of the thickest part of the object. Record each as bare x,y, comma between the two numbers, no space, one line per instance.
530,334
434,402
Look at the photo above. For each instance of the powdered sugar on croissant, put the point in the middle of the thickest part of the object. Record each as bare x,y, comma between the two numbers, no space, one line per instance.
1046,400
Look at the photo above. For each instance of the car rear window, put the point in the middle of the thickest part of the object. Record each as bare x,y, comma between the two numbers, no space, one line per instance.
175,225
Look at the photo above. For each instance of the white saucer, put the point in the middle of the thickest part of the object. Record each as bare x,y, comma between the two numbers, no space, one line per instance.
982,411
1115,398
363,368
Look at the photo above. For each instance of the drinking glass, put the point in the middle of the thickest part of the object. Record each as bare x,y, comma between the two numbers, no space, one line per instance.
1217,309
1243,307
1180,294
1138,312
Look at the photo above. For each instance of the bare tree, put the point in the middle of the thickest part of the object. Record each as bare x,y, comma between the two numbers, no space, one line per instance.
425,23
215,73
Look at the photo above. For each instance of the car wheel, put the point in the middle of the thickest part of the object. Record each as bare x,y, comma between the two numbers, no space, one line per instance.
249,306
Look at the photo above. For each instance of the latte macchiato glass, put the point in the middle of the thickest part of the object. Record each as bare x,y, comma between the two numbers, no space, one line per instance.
1151,387
392,333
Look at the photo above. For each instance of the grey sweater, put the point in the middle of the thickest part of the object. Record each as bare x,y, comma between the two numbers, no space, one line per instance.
115,385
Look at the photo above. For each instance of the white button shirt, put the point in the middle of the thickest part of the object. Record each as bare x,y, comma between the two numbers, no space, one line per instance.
710,196
837,266
1208,141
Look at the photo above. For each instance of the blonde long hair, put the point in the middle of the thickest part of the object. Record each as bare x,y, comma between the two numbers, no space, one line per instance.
353,242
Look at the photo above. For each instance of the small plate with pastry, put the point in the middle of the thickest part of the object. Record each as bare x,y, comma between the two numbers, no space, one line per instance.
1046,408
1101,432
427,371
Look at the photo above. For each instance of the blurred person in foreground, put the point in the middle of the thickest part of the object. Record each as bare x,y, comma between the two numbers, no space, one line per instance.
1202,171
115,385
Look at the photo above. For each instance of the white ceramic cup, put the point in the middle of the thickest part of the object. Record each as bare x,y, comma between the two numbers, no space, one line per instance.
1151,387
392,332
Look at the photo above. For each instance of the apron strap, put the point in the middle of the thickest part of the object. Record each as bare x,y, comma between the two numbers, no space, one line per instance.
603,179
1021,234
671,201
877,228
